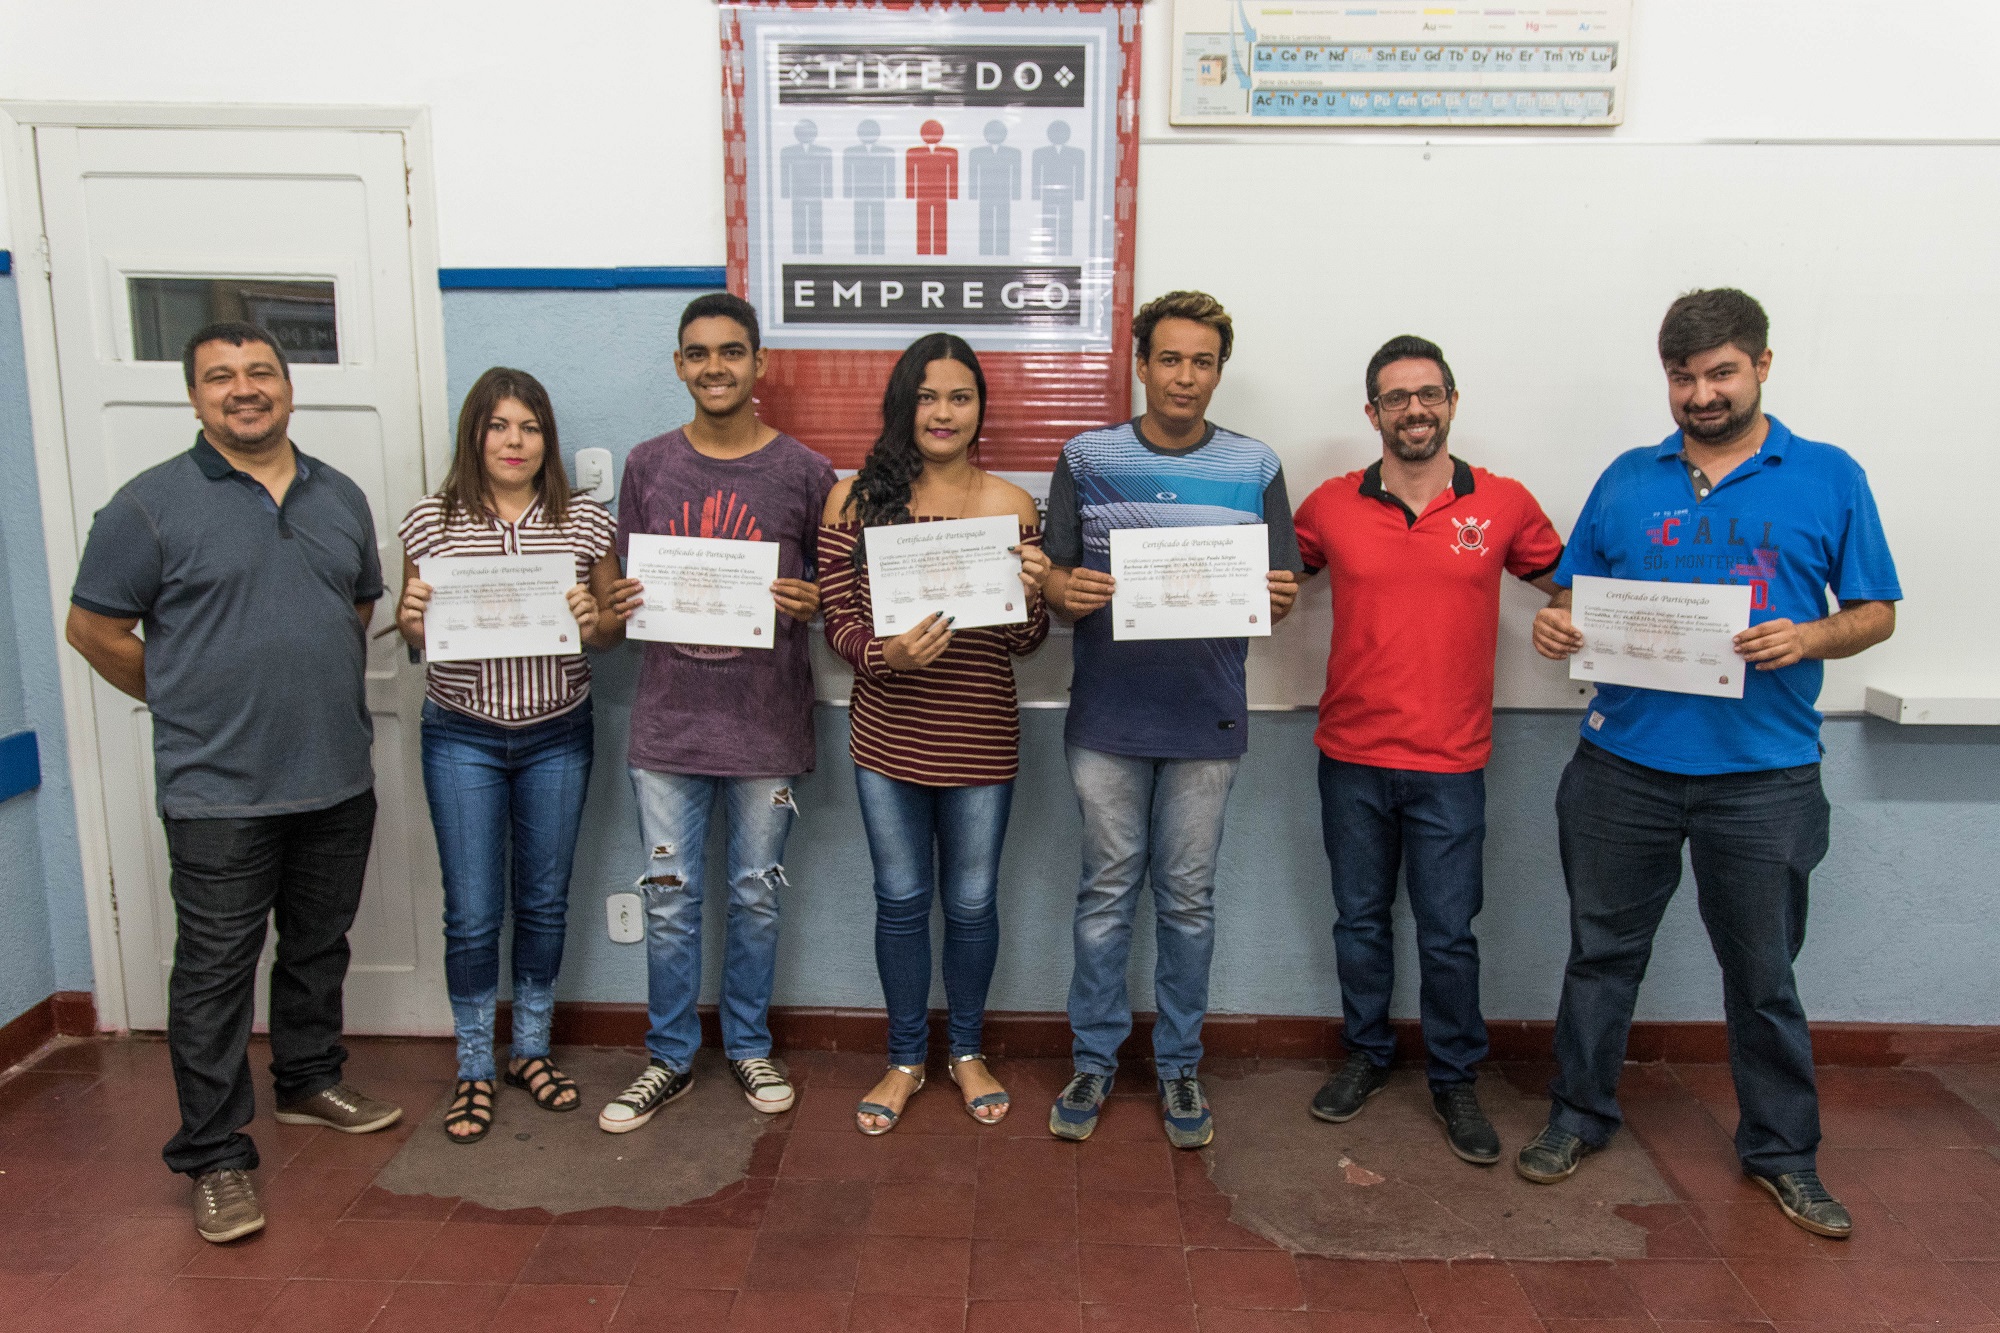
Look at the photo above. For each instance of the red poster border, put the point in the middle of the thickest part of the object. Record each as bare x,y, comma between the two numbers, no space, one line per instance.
832,398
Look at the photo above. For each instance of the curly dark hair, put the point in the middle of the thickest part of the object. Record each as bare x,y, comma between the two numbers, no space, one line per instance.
881,490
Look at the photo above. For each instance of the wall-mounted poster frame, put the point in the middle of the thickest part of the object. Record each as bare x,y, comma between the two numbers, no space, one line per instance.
1338,63
896,169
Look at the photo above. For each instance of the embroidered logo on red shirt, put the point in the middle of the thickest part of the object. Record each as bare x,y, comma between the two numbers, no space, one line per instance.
1471,535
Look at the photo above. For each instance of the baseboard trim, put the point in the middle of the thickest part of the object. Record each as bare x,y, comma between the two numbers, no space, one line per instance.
67,1013
1277,1036
75,1013
24,1035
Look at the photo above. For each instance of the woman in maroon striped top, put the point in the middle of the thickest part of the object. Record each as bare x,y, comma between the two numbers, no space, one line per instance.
507,740
935,729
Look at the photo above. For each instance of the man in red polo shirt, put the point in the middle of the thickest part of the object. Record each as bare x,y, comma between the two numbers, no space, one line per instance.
1414,546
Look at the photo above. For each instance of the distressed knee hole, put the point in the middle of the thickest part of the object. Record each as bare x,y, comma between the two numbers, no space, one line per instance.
774,878
661,881
781,799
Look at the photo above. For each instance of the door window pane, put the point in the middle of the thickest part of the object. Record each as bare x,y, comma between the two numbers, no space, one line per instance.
166,312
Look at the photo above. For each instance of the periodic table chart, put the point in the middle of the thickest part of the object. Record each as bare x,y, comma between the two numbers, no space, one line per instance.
1243,62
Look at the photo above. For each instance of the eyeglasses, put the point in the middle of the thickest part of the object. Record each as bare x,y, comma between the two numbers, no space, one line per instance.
1431,395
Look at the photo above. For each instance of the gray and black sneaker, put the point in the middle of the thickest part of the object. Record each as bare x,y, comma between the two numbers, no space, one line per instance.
1075,1113
1466,1127
1343,1095
1551,1156
1184,1112
764,1085
1806,1201
225,1206
654,1088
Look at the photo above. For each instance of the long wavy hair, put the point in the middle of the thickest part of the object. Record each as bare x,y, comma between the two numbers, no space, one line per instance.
465,486
881,490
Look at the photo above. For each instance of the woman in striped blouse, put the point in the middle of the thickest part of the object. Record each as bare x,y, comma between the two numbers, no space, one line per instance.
935,729
507,741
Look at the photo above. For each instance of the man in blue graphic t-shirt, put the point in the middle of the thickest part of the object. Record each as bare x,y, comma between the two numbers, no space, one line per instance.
1156,727
1731,497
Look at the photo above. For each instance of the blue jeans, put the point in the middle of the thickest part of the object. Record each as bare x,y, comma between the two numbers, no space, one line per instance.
1754,839
673,819
1433,827
1141,815
484,782
923,839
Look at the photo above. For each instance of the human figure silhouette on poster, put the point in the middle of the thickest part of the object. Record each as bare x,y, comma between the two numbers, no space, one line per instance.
1058,171
868,177
805,176
993,177
930,176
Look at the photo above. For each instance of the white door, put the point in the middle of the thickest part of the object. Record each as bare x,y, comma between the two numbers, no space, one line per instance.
152,233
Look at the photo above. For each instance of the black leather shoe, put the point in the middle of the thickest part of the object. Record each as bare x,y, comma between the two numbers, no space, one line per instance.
1551,1157
1466,1127
1344,1094
1807,1203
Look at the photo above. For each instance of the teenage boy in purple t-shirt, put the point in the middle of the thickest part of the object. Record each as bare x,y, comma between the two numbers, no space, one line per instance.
713,722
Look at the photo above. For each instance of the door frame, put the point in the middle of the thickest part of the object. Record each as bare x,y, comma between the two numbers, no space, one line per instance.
62,544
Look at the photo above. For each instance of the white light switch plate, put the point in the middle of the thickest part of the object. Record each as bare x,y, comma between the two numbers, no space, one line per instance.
626,917
595,474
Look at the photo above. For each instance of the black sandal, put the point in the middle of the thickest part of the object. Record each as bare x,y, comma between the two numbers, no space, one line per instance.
544,1082
466,1109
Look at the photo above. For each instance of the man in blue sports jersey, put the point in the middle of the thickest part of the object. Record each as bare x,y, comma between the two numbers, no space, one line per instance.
1156,727
1731,497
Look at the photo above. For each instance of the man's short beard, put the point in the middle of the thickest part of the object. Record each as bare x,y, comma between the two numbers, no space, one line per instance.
1421,453
1733,425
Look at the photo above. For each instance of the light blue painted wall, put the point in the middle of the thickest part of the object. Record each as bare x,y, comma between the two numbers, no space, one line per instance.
44,938
1903,927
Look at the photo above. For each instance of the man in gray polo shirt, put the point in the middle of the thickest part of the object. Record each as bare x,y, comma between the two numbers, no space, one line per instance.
254,572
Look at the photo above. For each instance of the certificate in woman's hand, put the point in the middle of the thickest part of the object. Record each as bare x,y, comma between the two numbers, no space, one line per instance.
498,606
964,567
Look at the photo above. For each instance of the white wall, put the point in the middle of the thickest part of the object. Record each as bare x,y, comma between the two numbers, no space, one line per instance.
587,134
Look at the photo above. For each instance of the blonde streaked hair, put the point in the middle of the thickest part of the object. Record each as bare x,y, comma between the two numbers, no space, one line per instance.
1197,306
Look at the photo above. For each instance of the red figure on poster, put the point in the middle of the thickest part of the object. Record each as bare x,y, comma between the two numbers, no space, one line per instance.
930,176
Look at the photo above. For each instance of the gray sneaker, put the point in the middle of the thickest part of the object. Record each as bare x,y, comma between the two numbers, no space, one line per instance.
1075,1113
1550,1156
225,1206
1806,1201
340,1107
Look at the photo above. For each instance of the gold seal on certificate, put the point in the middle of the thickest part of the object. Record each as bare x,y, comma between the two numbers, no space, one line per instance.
960,566
704,590
1191,583
499,606
1661,636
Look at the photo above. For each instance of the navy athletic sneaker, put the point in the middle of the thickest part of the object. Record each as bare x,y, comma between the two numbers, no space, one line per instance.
1075,1113
1184,1111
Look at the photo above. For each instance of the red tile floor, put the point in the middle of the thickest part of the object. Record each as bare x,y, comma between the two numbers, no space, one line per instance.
944,1226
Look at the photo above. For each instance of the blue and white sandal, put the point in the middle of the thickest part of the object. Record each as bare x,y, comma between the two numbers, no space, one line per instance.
884,1113
984,1100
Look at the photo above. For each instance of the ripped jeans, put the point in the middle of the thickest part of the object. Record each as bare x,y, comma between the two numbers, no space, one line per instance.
673,819
489,785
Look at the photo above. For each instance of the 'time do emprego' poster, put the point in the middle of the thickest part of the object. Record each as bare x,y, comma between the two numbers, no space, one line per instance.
901,171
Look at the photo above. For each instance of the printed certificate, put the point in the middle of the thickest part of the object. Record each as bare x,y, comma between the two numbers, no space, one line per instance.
960,566
704,590
499,606
1661,636
1191,583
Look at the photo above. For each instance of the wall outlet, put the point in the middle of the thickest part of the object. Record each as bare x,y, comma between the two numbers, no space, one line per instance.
626,917
595,474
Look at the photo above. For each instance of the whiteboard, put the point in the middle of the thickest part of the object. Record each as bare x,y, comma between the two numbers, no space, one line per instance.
1543,271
